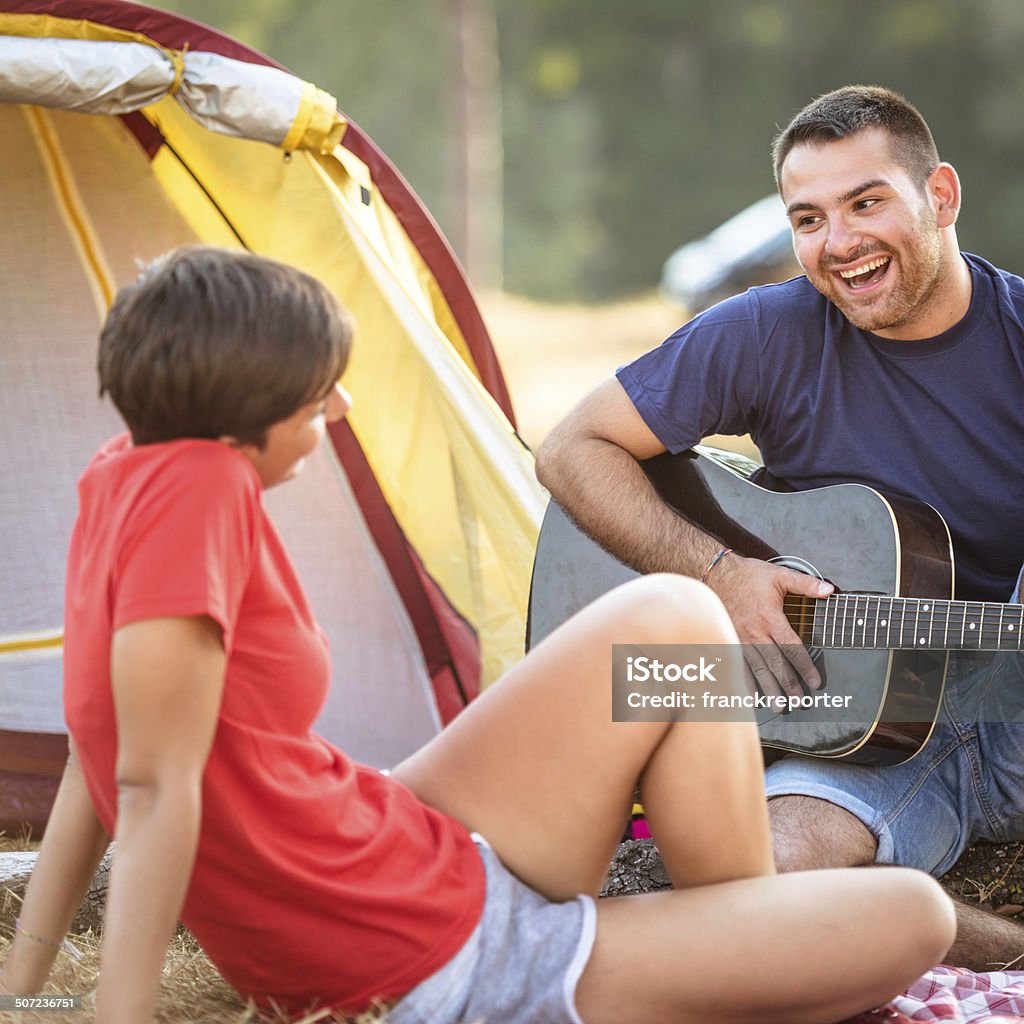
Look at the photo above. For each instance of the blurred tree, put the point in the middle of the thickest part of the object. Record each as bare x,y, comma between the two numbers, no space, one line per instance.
476,143
628,129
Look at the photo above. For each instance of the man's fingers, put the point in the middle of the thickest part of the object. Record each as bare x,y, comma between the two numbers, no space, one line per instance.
780,667
755,594
766,680
809,586
749,679
801,661
774,674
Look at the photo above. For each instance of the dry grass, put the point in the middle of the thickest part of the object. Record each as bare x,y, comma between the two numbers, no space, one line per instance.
9,844
192,991
989,890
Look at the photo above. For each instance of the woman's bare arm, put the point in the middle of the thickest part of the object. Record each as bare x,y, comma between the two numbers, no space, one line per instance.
71,851
168,679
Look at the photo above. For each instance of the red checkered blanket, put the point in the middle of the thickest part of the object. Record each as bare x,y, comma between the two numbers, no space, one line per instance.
955,996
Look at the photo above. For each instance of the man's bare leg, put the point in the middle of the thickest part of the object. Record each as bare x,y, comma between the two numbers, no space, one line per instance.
808,833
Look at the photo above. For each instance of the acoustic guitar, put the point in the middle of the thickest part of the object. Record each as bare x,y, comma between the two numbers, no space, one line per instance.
882,638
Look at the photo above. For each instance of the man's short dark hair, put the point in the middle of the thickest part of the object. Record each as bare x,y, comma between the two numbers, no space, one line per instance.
209,342
855,108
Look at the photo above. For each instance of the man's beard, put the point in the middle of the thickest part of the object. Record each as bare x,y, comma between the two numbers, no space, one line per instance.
919,273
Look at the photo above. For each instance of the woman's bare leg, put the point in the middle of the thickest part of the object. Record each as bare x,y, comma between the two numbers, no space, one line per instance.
538,767
803,948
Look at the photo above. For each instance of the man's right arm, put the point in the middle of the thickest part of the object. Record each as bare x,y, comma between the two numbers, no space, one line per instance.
590,464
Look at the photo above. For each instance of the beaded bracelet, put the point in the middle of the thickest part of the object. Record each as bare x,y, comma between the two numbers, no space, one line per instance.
714,561
66,944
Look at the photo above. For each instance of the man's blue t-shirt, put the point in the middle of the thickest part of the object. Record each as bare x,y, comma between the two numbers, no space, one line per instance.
940,420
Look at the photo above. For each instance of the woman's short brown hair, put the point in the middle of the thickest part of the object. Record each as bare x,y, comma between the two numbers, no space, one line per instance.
211,342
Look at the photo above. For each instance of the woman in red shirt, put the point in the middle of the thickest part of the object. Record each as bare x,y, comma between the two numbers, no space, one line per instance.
462,885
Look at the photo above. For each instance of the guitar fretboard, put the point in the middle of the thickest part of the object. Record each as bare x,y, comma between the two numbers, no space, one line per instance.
862,621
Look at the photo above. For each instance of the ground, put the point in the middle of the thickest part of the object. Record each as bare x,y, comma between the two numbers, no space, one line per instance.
991,875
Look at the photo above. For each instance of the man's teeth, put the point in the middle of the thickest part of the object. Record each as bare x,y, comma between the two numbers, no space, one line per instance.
865,269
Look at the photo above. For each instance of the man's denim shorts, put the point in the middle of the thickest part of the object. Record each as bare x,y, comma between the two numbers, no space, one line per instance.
967,784
520,966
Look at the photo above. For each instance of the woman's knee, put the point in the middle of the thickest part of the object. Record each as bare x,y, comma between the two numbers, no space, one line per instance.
664,608
911,920
920,902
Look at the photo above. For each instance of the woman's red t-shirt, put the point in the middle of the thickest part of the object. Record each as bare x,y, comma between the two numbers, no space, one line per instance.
317,881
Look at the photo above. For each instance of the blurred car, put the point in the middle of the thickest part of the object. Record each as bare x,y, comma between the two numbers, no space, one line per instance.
754,247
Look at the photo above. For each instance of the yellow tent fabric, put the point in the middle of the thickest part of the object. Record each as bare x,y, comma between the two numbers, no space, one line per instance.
459,481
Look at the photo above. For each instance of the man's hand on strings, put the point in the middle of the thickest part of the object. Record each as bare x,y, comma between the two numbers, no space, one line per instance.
756,594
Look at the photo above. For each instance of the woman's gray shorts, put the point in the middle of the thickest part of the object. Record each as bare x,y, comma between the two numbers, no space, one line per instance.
520,965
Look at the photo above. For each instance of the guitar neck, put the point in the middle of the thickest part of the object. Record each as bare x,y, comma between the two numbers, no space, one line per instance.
903,623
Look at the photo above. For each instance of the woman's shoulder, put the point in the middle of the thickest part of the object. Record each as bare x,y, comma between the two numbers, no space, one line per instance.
190,458
188,474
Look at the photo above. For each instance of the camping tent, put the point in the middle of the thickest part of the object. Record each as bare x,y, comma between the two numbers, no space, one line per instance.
127,131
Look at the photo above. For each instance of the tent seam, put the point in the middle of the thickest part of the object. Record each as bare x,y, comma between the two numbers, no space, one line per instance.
72,207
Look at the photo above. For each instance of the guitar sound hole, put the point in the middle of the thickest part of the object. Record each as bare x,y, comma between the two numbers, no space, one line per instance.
797,564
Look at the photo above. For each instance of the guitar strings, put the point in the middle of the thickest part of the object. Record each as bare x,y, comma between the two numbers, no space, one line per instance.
904,612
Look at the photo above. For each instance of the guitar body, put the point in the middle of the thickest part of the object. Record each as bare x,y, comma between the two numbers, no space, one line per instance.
852,535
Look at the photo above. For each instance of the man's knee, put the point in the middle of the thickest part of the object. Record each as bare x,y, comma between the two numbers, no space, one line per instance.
808,833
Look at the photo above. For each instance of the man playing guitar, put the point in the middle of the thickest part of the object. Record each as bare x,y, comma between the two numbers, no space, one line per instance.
896,362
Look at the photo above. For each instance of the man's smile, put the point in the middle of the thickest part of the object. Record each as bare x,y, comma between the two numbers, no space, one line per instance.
865,275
